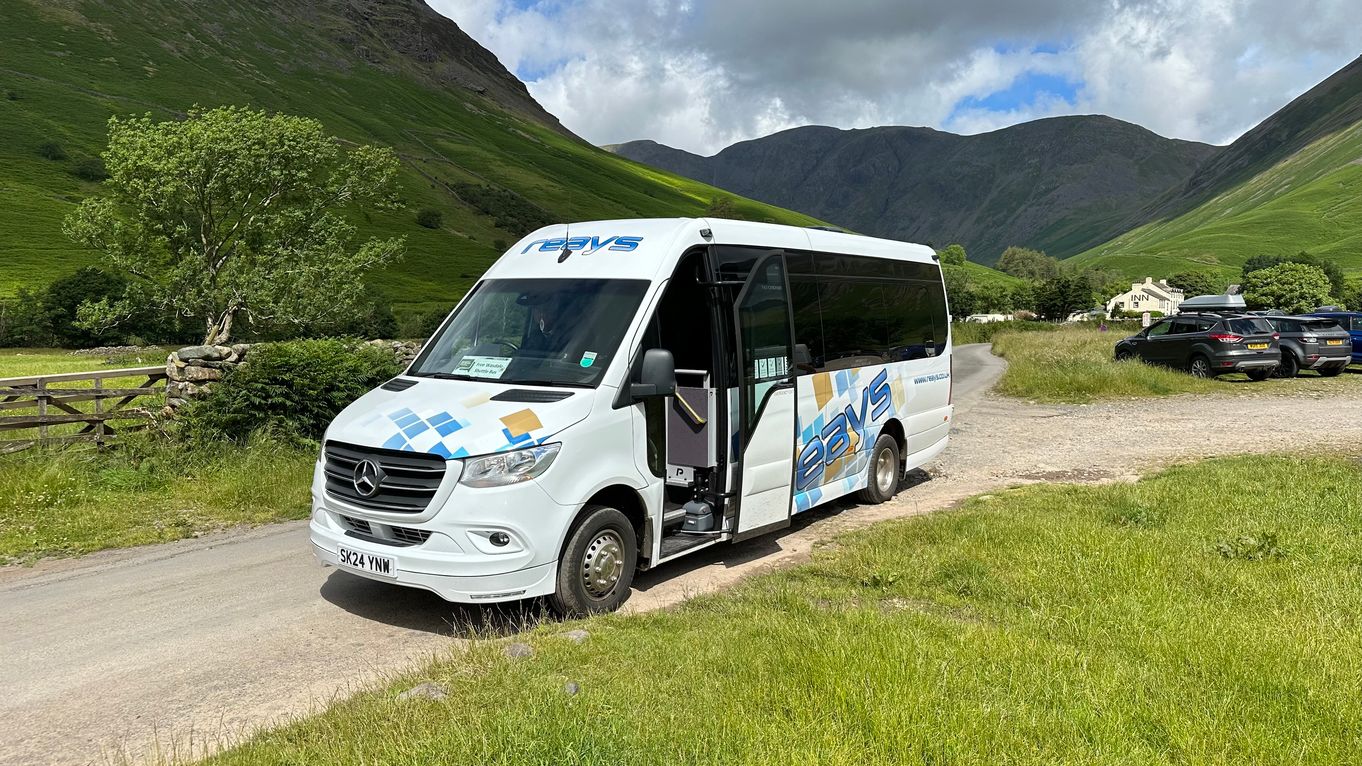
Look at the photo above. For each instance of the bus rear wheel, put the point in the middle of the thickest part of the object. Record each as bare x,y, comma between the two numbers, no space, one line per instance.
597,566
882,480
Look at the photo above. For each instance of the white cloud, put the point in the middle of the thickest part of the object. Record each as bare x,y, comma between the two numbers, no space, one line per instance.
702,74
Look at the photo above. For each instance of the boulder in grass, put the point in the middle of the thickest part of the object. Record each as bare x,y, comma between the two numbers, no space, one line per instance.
519,651
425,691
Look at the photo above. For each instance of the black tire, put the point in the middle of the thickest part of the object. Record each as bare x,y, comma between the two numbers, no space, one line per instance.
884,463
1199,366
1289,367
1330,372
596,571
1124,355
1259,375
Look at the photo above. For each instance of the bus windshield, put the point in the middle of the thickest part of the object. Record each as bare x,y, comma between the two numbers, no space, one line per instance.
545,332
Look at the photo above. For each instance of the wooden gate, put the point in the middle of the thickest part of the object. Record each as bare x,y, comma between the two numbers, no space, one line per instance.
78,406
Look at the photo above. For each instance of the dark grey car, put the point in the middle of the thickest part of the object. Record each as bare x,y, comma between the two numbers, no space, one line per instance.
1207,345
1311,343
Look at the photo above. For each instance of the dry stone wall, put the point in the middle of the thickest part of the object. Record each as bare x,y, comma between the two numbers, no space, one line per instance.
192,371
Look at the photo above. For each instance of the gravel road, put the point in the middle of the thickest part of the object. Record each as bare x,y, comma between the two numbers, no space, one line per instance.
189,644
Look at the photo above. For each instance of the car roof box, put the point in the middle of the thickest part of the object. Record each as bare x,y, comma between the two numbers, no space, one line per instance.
1213,303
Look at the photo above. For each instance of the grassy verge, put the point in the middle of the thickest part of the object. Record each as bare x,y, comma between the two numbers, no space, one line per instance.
980,332
21,362
1203,615
77,501
1077,365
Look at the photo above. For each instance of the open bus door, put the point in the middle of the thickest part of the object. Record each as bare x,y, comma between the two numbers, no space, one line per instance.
767,402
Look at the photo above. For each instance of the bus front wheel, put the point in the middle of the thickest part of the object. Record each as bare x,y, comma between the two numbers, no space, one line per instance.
597,566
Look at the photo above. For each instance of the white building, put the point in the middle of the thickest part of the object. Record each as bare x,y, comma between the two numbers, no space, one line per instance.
1147,296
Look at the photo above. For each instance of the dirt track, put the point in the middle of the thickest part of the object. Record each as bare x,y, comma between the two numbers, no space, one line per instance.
190,642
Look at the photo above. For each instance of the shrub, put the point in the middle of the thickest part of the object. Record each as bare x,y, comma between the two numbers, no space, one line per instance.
51,150
509,211
429,217
90,169
293,388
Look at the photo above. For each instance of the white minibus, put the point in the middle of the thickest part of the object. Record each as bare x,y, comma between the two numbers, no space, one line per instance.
614,395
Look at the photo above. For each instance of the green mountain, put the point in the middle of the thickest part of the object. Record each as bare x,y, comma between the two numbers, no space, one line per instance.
1292,183
392,72
1061,185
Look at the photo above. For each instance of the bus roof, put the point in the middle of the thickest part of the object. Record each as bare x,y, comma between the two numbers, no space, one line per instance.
649,248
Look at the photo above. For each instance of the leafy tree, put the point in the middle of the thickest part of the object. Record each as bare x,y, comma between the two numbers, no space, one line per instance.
62,299
1028,264
953,255
234,211
1104,284
23,321
52,150
1352,295
722,207
429,217
1331,269
1292,287
959,291
1062,295
1193,283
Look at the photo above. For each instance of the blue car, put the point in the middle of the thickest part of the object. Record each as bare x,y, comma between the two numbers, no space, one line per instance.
1350,321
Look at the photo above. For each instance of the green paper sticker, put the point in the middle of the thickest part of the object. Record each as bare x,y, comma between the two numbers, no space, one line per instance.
588,359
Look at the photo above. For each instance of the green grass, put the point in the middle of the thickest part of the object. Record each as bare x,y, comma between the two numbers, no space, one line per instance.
984,332
74,65
1076,364
21,362
62,503
1051,624
1311,201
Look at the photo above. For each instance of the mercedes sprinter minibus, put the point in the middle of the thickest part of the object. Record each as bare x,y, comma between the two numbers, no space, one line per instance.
614,395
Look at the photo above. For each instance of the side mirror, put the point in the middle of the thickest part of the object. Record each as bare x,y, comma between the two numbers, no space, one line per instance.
656,376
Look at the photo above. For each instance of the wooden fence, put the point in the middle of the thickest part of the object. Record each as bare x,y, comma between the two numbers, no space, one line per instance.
42,409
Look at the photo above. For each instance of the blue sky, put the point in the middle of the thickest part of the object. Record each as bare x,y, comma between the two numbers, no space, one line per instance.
703,74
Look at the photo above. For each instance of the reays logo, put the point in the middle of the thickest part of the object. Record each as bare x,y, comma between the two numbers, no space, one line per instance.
835,439
585,245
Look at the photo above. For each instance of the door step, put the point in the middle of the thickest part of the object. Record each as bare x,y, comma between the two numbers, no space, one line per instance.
677,545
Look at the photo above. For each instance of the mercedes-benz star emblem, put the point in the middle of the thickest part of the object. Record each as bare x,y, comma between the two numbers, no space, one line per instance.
368,478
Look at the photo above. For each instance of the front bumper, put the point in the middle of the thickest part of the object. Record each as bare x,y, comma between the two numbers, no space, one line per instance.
419,568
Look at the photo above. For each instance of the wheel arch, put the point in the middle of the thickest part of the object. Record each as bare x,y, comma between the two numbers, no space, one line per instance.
622,498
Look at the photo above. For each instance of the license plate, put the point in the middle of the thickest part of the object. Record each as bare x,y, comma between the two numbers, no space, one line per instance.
1257,346
366,562
1333,343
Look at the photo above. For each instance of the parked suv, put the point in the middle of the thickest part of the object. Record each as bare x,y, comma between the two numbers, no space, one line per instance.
1207,345
1311,343
1350,321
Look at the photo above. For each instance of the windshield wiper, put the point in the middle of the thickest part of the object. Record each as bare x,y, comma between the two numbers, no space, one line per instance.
443,375
549,383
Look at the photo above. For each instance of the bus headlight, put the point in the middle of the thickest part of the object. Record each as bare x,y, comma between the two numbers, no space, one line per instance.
502,468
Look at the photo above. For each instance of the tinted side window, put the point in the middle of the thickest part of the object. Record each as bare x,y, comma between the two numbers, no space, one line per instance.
941,321
854,330
908,311
1357,324
1161,328
809,354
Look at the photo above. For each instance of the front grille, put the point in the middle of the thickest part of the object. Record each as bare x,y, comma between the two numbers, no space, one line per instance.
409,535
410,478
358,525
385,534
